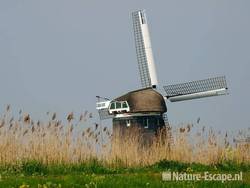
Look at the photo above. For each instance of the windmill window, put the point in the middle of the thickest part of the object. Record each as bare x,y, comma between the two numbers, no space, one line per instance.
112,106
146,124
118,105
128,123
124,105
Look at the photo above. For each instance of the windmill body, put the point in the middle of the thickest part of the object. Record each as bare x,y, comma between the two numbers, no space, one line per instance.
146,107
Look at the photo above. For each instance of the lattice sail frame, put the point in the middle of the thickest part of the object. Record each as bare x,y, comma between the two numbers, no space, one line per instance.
196,89
104,114
143,50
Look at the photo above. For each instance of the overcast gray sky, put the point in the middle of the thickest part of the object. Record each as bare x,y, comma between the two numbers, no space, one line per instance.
57,55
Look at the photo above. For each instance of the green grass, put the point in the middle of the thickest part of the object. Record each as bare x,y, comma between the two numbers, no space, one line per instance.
111,180
95,174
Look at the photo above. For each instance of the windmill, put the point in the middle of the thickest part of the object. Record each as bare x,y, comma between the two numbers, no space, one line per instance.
146,108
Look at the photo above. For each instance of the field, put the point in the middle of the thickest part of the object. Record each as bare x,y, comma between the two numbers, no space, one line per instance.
93,174
54,153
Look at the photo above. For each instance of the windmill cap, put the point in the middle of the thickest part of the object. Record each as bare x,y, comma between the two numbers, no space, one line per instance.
144,100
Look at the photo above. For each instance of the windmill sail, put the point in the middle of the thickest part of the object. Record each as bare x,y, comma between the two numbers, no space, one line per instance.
104,114
197,89
103,109
143,50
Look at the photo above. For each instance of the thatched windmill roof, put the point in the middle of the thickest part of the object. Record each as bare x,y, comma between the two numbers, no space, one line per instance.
144,100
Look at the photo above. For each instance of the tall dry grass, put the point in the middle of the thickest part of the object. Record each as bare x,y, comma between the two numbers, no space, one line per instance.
71,142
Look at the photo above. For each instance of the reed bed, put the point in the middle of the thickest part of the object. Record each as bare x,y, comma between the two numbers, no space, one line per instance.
73,142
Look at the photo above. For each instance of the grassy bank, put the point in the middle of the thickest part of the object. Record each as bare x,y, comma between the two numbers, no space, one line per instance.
30,168
94,174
